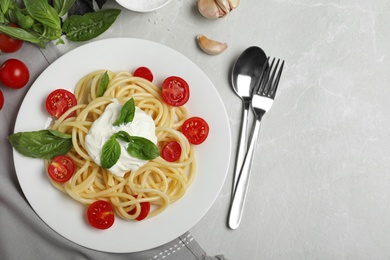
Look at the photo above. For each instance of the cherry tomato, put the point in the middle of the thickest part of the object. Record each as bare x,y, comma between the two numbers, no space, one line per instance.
14,74
1,99
175,91
144,72
61,168
195,129
9,44
171,151
145,209
59,101
100,214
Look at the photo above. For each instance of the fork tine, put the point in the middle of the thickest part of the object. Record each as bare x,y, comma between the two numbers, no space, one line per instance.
267,81
263,77
276,82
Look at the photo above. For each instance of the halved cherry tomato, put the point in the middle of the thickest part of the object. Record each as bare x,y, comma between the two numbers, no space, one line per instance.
61,168
175,91
59,101
171,151
9,44
1,99
100,214
14,74
145,209
195,129
144,72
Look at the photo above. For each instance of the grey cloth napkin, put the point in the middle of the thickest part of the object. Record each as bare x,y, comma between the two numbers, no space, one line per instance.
23,235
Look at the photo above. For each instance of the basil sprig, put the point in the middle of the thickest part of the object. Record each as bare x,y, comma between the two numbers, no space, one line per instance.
44,144
138,147
127,113
40,21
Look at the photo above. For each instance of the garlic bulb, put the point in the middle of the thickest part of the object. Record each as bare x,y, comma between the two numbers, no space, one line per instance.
213,9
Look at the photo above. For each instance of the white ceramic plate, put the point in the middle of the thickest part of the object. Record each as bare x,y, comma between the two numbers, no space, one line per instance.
66,216
143,5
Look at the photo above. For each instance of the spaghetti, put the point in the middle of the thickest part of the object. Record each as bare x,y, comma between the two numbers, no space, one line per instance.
158,181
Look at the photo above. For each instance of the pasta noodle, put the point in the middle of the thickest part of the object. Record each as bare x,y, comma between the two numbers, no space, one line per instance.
158,181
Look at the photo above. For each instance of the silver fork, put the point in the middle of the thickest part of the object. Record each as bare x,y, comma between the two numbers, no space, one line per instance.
263,98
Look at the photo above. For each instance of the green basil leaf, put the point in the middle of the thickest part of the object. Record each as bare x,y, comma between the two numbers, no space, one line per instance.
23,21
60,41
127,113
2,18
44,144
103,84
90,25
20,34
142,148
51,33
124,136
10,17
59,134
111,152
38,29
62,6
4,5
41,11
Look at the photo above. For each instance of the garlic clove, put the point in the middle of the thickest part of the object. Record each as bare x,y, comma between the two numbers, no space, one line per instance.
209,46
227,5
223,5
233,4
210,9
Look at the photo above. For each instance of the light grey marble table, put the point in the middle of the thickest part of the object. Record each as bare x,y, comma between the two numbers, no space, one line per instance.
320,187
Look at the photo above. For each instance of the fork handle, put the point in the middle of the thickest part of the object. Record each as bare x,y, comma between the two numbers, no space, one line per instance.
242,143
239,196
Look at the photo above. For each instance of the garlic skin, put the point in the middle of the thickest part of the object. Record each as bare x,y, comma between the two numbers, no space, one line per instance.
210,9
213,9
209,46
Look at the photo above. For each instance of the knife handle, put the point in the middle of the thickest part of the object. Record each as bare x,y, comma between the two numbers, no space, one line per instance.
239,196
242,144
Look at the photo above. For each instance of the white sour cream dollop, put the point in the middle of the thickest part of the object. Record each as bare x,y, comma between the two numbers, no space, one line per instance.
102,129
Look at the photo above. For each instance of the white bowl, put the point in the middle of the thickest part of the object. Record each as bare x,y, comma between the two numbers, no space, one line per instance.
143,5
